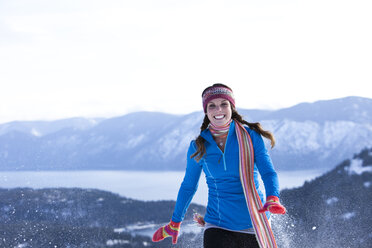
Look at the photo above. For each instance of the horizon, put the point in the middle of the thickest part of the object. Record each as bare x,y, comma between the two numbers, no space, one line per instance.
139,111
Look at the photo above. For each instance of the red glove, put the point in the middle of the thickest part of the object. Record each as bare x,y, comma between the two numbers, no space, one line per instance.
170,230
273,205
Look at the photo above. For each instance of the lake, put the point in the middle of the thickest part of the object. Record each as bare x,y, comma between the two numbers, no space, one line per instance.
141,185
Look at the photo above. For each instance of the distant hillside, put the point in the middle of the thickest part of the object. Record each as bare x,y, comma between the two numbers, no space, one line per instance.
80,218
333,210
354,109
42,128
308,136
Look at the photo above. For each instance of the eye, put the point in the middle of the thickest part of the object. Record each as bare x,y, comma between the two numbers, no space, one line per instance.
224,105
211,106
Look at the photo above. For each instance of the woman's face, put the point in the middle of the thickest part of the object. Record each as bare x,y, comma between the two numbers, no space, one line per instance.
219,111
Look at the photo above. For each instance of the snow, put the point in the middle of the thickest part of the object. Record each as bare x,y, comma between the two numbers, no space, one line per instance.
174,143
367,184
135,141
36,133
135,227
348,215
329,139
146,243
356,167
147,229
119,230
331,200
21,245
335,132
112,242
297,136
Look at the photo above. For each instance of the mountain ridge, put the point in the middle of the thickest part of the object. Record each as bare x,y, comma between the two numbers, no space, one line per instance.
159,141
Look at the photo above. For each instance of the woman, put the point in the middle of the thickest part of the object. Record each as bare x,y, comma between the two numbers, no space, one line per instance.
231,156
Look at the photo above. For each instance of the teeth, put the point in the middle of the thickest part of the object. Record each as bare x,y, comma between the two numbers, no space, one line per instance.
218,117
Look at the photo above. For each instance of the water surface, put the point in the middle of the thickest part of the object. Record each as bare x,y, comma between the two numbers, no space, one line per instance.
141,185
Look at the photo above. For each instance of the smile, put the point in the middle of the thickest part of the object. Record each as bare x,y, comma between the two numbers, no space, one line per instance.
219,117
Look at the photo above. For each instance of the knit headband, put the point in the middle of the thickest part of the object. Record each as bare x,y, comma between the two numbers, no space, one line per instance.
217,92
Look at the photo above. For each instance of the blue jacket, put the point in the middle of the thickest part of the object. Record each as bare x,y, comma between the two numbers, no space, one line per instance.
226,207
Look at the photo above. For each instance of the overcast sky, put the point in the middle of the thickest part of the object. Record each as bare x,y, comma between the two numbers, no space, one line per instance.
66,58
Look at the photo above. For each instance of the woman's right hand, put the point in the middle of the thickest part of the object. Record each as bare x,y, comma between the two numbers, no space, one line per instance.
170,230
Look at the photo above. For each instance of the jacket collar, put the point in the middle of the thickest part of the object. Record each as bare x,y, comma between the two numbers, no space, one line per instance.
206,134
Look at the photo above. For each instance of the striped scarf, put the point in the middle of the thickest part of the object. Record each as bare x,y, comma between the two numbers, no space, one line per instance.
220,132
260,222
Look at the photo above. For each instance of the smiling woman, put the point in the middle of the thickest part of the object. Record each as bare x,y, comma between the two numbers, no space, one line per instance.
219,111
231,156
213,93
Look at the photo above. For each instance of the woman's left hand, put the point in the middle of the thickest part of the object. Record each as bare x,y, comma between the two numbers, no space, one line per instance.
170,230
273,205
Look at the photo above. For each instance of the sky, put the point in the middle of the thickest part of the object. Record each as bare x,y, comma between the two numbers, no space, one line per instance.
89,58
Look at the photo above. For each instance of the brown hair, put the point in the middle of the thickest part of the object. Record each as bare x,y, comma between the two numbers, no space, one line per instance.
256,126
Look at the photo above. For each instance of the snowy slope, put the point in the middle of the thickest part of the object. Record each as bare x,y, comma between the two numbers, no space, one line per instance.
310,135
310,144
74,217
333,210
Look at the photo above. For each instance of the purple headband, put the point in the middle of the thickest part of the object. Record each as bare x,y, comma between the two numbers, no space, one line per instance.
217,92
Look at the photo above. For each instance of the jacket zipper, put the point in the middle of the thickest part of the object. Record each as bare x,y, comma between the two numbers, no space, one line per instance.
223,154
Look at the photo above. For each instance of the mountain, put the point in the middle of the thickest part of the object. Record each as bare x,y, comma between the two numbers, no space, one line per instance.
41,128
354,109
308,136
332,210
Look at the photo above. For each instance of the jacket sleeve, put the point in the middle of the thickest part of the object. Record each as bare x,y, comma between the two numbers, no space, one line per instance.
264,164
188,187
